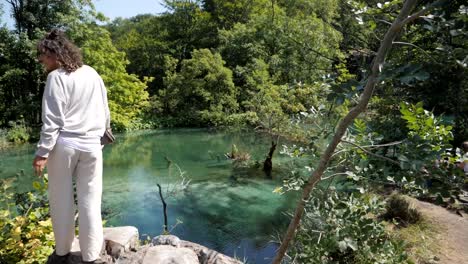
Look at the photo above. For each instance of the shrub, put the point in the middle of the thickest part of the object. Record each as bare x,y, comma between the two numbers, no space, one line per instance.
19,132
343,228
26,234
399,210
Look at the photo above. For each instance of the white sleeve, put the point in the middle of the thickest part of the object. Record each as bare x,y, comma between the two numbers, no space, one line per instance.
106,104
53,105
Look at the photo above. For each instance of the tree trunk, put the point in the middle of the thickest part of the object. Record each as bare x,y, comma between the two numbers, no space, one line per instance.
268,163
377,65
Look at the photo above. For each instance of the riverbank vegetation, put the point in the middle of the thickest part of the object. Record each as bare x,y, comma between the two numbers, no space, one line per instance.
288,67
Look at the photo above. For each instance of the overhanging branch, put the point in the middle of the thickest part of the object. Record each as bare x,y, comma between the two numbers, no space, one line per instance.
371,153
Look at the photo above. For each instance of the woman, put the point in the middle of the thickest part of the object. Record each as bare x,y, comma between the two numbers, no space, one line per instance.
75,114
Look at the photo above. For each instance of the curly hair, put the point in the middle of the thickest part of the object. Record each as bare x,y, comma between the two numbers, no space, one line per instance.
56,43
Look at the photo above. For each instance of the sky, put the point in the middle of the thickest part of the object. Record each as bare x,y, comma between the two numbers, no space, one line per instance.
110,8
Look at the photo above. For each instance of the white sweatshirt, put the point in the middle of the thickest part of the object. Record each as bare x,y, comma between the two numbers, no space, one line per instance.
74,107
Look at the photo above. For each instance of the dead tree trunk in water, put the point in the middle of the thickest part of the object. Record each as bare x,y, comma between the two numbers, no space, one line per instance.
268,163
164,209
403,18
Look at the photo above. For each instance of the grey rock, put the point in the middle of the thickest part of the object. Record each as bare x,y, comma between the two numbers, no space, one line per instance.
166,240
164,254
120,239
209,256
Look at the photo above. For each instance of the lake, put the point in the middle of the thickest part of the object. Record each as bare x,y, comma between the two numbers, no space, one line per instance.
225,207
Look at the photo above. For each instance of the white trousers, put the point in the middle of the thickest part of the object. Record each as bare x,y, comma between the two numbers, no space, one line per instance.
63,164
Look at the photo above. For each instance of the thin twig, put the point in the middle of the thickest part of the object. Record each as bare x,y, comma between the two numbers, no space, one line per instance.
384,21
371,146
372,154
413,45
333,175
384,145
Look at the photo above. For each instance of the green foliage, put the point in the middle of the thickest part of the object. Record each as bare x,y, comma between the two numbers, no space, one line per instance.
127,95
228,13
188,27
18,69
202,92
297,43
142,38
343,228
434,47
428,137
19,132
422,162
26,234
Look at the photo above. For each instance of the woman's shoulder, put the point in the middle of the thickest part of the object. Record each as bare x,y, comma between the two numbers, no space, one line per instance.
87,71
55,73
87,68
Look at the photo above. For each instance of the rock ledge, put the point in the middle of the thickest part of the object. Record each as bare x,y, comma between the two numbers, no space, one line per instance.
122,247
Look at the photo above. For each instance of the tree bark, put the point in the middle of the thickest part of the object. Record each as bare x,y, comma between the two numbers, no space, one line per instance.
377,65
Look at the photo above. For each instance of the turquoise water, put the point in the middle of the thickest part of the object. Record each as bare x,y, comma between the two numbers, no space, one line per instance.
230,209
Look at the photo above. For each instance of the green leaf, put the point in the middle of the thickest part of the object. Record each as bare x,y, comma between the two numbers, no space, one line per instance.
37,185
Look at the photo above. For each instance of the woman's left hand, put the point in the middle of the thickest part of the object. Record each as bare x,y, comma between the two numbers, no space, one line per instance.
39,164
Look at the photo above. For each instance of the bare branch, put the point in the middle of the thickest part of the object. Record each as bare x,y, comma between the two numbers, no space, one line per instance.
384,21
415,16
413,45
384,145
372,154
372,146
421,12
333,175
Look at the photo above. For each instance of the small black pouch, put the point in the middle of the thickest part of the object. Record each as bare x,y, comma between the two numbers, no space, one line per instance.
108,137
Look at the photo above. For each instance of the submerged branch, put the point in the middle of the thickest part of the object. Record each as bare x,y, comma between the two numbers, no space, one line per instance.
164,208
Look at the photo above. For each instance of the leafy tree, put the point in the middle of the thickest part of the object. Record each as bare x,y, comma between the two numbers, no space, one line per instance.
228,13
127,95
403,18
188,27
142,38
18,68
18,55
33,15
299,46
203,91
428,65
264,98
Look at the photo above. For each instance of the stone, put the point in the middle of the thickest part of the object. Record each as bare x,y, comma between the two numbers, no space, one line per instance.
164,254
170,240
120,239
208,256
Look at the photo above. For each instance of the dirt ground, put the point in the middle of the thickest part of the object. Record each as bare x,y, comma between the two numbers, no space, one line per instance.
453,234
